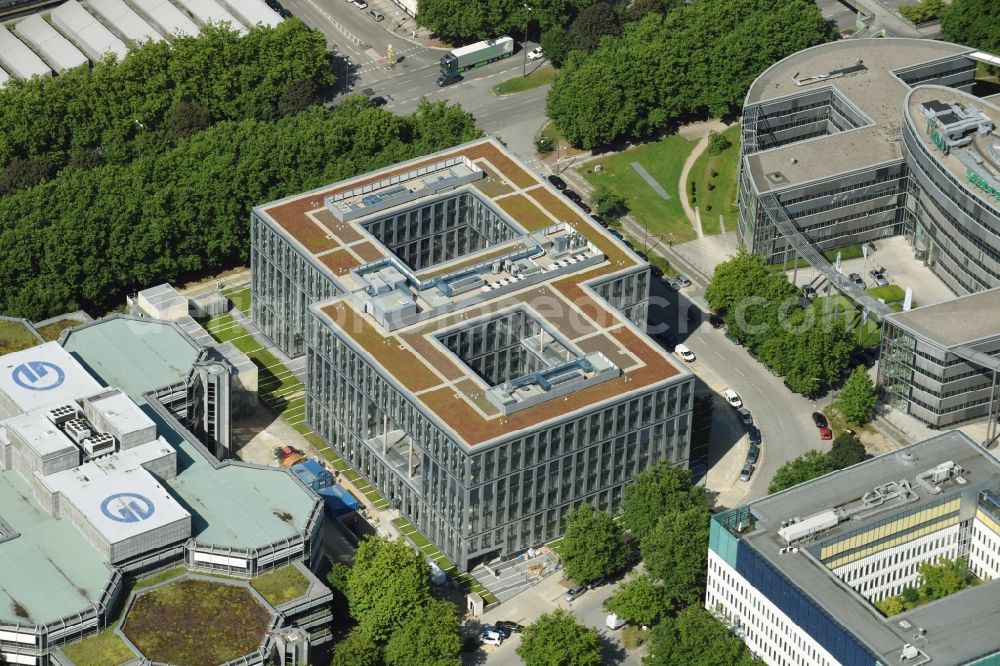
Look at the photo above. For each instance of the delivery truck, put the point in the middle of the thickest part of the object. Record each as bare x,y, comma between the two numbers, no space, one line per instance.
476,55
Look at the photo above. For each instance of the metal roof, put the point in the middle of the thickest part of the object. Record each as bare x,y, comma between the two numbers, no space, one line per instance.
18,59
41,376
209,11
86,31
169,20
253,12
124,21
56,50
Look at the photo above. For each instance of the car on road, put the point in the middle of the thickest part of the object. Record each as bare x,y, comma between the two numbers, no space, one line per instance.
753,434
490,638
669,339
809,292
693,313
753,454
378,100
575,592
535,53
819,420
616,234
572,196
361,4
448,79
746,472
597,219
556,181
733,398
825,433
683,280
584,207
375,16
672,284
745,417
511,626
715,320
504,632
684,353
856,279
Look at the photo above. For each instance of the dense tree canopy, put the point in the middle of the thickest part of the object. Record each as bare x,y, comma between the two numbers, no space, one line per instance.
161,91
87,237
974,23
640,600
857,399
461,22
557,639
357,649
847,450
427,637
675,553
660,490
808,466
698,58
389,583
695,637
593,546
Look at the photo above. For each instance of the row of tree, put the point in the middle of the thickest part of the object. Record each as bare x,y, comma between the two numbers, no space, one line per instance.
846,450
935,580
761,308
159,93
698,58
89,236
975,23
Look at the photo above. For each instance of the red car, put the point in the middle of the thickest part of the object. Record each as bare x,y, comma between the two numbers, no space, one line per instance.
825,433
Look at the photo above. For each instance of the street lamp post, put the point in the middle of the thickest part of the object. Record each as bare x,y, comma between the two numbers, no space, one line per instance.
524,44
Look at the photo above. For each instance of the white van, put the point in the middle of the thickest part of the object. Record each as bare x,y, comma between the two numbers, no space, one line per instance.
490,638
615,622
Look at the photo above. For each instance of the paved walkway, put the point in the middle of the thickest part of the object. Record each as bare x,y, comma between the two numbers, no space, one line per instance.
698,131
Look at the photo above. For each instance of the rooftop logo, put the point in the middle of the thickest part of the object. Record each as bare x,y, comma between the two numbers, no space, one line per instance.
983,184
935,137
38,375
127,508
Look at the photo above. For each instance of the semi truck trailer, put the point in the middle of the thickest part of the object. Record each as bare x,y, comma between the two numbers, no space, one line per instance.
476,55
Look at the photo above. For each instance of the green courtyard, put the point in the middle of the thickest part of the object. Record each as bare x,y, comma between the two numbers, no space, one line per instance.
715,186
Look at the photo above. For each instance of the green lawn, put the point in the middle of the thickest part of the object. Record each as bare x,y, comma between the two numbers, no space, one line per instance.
281,585
52,331
538,78
160,577
103,649
715,194
240,296
15,336
664,160
867,334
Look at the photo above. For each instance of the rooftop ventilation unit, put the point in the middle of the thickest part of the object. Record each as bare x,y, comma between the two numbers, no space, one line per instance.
60,415
99,444
78,430
813,524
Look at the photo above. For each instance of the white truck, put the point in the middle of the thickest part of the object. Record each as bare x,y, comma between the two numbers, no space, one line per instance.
476,55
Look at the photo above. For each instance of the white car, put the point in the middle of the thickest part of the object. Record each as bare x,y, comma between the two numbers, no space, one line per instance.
490,638
684,353
535,53
733,398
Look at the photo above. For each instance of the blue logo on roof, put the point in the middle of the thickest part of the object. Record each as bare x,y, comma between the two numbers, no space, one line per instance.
127,508
38,375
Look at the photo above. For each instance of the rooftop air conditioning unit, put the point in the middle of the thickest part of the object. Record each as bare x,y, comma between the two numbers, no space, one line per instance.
60,415
99,444
78,430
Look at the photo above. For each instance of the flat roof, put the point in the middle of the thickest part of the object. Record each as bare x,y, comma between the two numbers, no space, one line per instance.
44,438
875,91
959,627
163,14
18,59
87,32
49,571
209,11
42,376
555,286
56,50
962,321
122,412
123,19
234,505
254,12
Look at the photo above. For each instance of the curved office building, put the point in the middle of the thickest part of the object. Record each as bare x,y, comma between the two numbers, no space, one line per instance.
857,140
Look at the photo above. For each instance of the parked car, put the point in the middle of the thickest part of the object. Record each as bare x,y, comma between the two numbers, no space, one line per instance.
684,353
572,196
856,279
669,339
374,15
448,79
584,207
862,357
535,53
819,420
575,592
361,4
504,632
878,276
747,472
597,219
753,454
753,433
745,417
809,292
556,181
825,433
512,626
684,280
378,100
733,398
693,313
672,284
490,638
715,320
283,452
732,337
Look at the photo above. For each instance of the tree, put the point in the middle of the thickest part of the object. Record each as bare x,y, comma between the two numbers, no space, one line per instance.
735,281
357,649
718,143
946,576
847,450
696,637
428,637
676,553
187,119
890,606
609,205
808,466
923,11
661,490
297,96
556,44
857,399
593,546
557,639
388,583
461,22
975,23
593,23
640,600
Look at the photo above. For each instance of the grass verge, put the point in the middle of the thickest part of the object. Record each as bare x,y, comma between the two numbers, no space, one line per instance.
281,585
867,333
240,297
15,336
839,423
664,160
103,649
633,637
161,577
714,177
538,78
